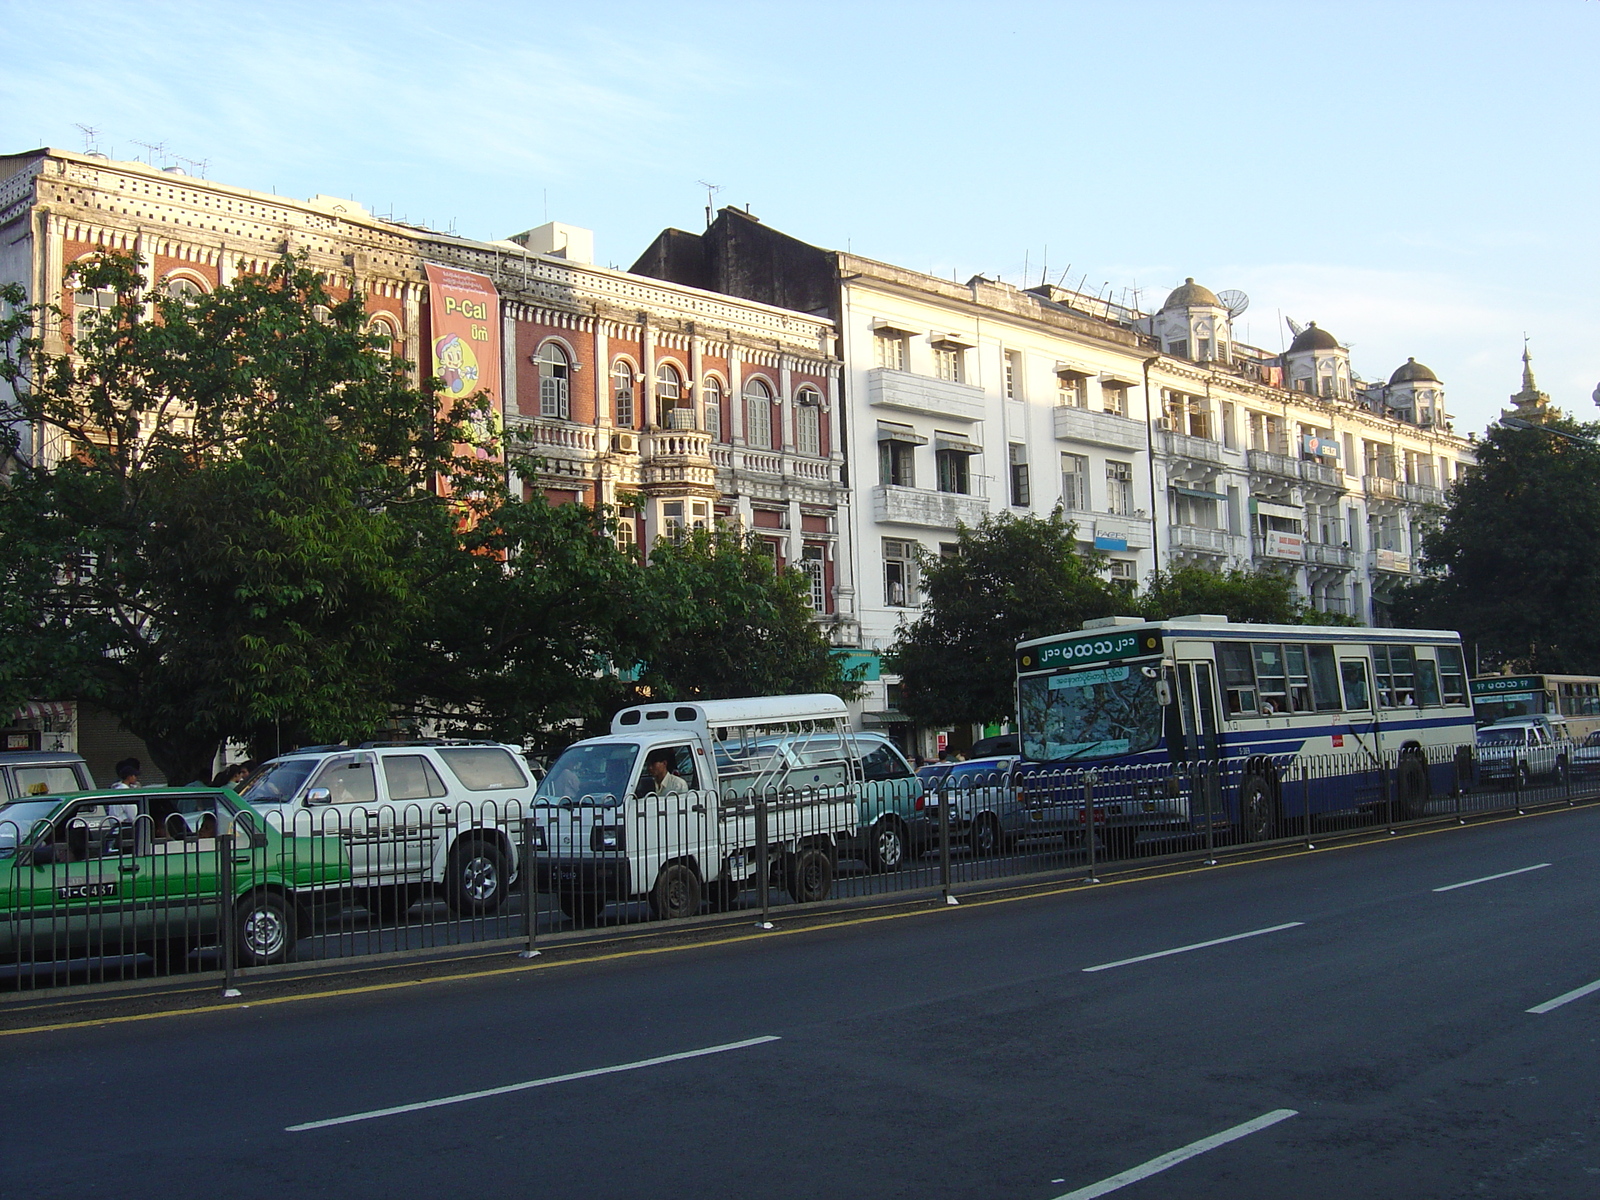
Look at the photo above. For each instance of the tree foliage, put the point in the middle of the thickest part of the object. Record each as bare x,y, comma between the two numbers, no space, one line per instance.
1256,597
1515,563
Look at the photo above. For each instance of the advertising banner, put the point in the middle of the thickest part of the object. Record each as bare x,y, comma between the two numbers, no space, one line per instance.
1285,545
464,334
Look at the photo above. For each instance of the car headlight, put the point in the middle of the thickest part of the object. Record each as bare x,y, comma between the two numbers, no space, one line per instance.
607,837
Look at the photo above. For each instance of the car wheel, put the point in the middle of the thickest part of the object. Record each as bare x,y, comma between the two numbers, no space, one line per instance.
676,893
985,839
475,884
810,875
263,929
1258,815
886,849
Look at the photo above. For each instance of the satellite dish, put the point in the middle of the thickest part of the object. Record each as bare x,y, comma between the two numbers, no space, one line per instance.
1234,301
1295,326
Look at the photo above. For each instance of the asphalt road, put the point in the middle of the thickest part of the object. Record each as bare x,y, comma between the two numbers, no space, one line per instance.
1371,1038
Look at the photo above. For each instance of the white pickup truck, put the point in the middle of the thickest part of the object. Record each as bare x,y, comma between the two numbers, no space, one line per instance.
665,806
1521,749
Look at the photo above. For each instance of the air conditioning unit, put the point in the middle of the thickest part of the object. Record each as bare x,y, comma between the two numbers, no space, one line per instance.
623,443
1165,424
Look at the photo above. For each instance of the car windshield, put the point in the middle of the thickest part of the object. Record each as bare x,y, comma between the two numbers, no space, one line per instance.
590,772
278,781
1501,737
18,818
1089,714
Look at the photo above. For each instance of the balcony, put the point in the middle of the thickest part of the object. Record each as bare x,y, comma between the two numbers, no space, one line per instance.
1320,474
1136,531
1195,449
1281,466
1320,554
1379,488
1279,547
932,510
677,460
1099,429
1216,543
905,392
1423,494
1390,562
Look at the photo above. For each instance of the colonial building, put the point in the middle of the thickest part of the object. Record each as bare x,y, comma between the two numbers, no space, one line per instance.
675,404
1165,439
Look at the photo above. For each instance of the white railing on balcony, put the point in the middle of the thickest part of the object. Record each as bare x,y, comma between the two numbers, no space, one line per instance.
1391,562
549,434
924,394
1075,424
1323,555
933,510
1322,474
1206,541
1264,462
1423,493
1182,445
676,443
1135,530
1378,487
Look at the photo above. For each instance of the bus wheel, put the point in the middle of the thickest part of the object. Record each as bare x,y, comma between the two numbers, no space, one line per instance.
676,893
1411,785
810,875
1258,813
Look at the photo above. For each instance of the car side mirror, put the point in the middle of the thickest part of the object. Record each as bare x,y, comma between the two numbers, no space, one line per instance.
40,854
319,796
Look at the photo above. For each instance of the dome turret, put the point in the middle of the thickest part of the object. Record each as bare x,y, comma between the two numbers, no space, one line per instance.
1411,371
1312,338
1192,295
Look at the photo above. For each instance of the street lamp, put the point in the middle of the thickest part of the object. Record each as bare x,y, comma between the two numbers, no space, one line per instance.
1519,423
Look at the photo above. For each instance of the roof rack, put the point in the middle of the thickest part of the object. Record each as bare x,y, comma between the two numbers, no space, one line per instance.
384,745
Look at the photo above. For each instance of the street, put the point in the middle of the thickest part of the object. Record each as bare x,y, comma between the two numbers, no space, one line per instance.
1329,1024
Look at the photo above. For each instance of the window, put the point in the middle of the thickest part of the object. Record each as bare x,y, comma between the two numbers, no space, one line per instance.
1272,684
322,314
811,566
758,414
953,476
1013,380
1072,390
625,541
411,777
1075,482
895,464
1114,399
1021,496
1178,347
555,377
184,290
1394,676
1452,675
1119,488
384,329
90,307
808,422
711,397
947,363
900,582
1324,678
669,393
1122,569
891,350
622,392
1238,678
1354,673
483,768
1427,683
349,779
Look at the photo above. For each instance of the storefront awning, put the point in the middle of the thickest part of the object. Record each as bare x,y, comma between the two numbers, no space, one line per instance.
1198,493
889,431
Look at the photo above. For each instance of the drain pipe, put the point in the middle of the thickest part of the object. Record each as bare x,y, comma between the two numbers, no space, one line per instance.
1150,445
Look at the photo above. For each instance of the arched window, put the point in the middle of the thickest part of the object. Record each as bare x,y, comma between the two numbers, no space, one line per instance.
758,414
622,392
91,306
184,289
711,398
808,422
555,373
669,393
385,329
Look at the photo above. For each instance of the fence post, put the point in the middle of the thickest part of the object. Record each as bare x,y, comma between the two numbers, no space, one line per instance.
1305,797
944,845
225,914
530,917
763,866
1210,776
1388,794
1088,821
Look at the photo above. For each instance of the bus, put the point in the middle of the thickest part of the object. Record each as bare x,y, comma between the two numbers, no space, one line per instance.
1575,697
1196,722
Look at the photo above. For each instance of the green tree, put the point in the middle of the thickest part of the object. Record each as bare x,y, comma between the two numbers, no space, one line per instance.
1515,563
228,538
1012,578
1260,597
715,619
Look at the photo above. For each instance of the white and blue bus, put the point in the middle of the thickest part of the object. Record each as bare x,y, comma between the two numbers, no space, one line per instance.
1283,721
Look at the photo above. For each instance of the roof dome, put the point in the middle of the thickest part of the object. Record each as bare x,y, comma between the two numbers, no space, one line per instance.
1312,338
1411,371
1192,295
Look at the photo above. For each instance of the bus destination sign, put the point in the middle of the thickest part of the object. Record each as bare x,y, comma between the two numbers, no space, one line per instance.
1092,648
1497,685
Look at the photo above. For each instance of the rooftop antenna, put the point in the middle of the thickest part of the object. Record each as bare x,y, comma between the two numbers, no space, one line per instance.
159,149
198,166
91,139
1060,279
711,197
1044,269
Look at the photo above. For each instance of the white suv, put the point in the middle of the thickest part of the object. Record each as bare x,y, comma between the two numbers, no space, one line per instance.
1524,748
418,816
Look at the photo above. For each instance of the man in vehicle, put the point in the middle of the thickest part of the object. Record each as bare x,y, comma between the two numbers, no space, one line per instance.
659,766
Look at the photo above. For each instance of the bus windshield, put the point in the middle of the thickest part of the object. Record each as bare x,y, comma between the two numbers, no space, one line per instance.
1099,713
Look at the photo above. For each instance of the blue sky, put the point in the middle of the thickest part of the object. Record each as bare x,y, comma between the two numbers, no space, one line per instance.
1420,179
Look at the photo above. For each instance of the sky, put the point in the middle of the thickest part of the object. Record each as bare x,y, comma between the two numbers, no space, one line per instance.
1418,178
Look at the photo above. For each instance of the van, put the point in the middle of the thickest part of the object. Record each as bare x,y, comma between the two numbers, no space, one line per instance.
665,806
26,773
1520,749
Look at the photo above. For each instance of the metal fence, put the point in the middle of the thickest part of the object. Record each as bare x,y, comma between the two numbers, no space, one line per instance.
90,896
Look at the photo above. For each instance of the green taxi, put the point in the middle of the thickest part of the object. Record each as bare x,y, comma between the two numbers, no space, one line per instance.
139,870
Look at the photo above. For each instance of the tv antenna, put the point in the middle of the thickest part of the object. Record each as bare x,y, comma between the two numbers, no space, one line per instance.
1234,301
91,139
711,193
158,150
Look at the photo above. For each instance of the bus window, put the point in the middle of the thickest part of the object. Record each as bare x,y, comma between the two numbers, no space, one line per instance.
1452,674
1294,661
1238,678
1394,674
1324,678
1427,683
1354,673
1271,683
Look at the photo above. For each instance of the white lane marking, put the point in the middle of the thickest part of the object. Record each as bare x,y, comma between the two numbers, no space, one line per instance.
1173,1157
532,1083
1566,998
1237,937
1450,887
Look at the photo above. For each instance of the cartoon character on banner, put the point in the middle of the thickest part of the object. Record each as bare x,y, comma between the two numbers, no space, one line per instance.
458,366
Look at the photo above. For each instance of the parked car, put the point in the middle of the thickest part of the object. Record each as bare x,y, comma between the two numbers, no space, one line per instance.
1522,749
1586,757
41,772
420,816
113,872
991,807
